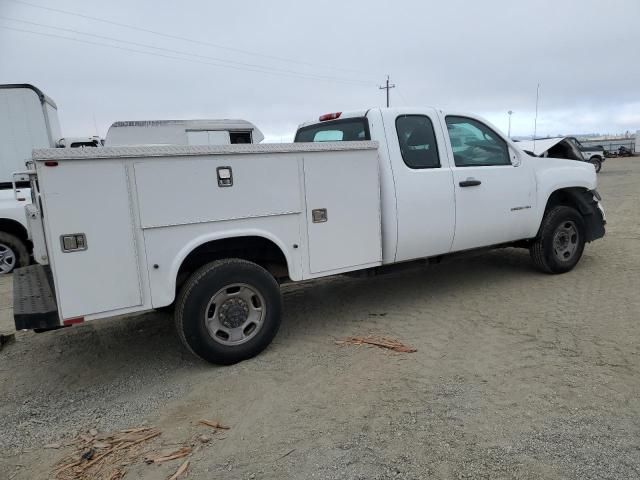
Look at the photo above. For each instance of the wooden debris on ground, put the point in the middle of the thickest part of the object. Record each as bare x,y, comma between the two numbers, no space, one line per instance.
180,471
380,342
180,453
100,456
215,425
104,457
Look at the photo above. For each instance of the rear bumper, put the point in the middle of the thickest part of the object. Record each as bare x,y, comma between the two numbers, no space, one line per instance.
34,301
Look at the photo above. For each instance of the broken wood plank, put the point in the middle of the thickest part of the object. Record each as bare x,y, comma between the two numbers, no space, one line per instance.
180,471
214,424
180,453
381,342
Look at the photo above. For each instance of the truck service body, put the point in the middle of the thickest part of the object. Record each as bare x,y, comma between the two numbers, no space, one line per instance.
355,193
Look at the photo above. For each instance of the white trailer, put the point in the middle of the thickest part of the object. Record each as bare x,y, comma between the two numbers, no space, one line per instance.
28,120
182,132
213,230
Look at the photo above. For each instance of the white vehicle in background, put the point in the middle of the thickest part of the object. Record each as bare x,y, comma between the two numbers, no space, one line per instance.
182,132
28,120
359,192
80,142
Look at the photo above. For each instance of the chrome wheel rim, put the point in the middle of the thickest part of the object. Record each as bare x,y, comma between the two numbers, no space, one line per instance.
235,314
565,241
7,259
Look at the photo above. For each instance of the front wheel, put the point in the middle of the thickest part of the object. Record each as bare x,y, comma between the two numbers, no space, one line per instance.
13,253
560,241
597,164
228,311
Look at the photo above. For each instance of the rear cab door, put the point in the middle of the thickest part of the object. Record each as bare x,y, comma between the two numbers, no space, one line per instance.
423,182
494,187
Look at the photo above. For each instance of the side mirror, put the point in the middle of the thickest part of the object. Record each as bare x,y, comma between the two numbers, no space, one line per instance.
515,157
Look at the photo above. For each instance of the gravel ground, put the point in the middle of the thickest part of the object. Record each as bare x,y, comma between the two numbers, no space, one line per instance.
517,375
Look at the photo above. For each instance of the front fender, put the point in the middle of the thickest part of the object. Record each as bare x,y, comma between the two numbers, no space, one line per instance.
576,180
557,174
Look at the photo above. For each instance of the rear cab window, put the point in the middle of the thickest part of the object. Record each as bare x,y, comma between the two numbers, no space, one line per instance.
343,130
417,140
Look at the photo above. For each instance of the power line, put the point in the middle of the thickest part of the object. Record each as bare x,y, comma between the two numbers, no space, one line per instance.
177,37
235,67
179,52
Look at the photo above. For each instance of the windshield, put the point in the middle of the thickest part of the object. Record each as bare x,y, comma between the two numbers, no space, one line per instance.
345,130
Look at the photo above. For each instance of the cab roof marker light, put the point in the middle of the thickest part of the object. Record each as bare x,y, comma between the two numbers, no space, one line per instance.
330,116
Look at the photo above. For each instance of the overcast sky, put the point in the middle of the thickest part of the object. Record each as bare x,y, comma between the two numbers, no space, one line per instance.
278,63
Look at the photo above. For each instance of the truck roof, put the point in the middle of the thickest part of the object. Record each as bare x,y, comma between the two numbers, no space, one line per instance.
43,98
352,114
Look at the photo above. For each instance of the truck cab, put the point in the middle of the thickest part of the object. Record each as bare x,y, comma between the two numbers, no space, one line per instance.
451,181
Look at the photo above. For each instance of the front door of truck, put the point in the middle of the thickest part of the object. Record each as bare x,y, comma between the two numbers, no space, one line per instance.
423,184
494,191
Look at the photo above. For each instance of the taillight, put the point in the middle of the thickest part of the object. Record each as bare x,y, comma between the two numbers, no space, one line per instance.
50,163
72,321
330,116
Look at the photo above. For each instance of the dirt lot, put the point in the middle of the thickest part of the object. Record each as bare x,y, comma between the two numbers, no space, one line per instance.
517,375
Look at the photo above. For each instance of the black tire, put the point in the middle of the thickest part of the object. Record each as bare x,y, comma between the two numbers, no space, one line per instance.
556,224
17,247
194,301
597,163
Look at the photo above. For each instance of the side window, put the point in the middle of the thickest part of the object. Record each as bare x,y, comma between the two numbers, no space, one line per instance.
417,141
474,144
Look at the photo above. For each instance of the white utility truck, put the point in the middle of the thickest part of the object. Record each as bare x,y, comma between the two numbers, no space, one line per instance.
356,193
28,120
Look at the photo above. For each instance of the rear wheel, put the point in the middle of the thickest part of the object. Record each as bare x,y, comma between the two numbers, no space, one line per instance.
560,241
597,163
228,311
13,253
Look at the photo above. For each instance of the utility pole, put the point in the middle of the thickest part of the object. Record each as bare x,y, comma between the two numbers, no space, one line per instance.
387,87
510,112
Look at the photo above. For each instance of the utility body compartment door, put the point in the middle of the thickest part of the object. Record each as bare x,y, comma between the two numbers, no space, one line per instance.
342,195
91,198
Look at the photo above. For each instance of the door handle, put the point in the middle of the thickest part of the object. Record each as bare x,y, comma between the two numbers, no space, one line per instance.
470,182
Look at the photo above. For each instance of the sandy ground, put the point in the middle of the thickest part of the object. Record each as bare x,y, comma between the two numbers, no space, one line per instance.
517,375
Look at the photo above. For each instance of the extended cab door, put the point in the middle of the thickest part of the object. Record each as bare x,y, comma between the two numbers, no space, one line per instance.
494,189
423,181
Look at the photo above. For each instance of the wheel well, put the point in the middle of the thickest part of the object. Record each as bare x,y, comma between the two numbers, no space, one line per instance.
258,250
566,196
14,228
582,199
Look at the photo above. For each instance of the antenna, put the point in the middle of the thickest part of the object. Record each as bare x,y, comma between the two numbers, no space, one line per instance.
95,124
535,121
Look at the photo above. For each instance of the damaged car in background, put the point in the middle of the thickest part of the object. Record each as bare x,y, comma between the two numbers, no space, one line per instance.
561,147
